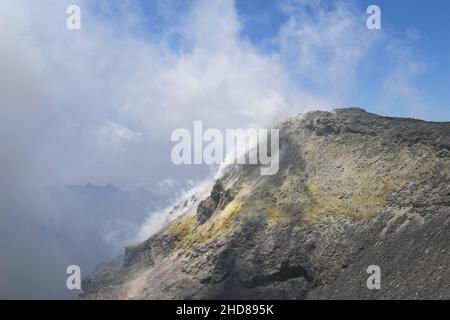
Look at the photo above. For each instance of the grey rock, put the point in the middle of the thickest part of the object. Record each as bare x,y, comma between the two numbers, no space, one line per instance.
354,189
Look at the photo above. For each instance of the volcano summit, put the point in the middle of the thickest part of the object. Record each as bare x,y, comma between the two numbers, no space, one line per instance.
353,190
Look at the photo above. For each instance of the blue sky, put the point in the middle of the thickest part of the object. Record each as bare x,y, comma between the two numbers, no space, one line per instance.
420,27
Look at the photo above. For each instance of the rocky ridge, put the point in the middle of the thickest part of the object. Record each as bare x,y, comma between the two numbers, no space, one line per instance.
354,189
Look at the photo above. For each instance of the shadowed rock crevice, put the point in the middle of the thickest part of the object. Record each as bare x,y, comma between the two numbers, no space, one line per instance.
218,199
285,273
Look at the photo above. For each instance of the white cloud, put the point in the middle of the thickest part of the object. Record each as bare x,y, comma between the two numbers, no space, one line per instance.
186,203
324,45
76,79
400,94
113,135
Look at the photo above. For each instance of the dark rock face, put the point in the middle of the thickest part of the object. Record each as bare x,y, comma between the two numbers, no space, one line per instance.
353,190
218,199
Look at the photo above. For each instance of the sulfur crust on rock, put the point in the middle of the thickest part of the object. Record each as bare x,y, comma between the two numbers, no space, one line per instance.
359,192
188,233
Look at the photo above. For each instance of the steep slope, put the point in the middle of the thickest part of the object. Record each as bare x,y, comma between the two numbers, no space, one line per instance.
354,189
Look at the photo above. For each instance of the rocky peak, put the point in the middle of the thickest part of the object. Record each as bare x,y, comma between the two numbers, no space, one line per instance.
354,189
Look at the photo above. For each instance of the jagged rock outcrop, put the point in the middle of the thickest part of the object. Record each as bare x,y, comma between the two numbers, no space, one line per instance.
354,189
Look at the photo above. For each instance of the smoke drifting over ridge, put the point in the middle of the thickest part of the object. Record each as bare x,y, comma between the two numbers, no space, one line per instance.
98,105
